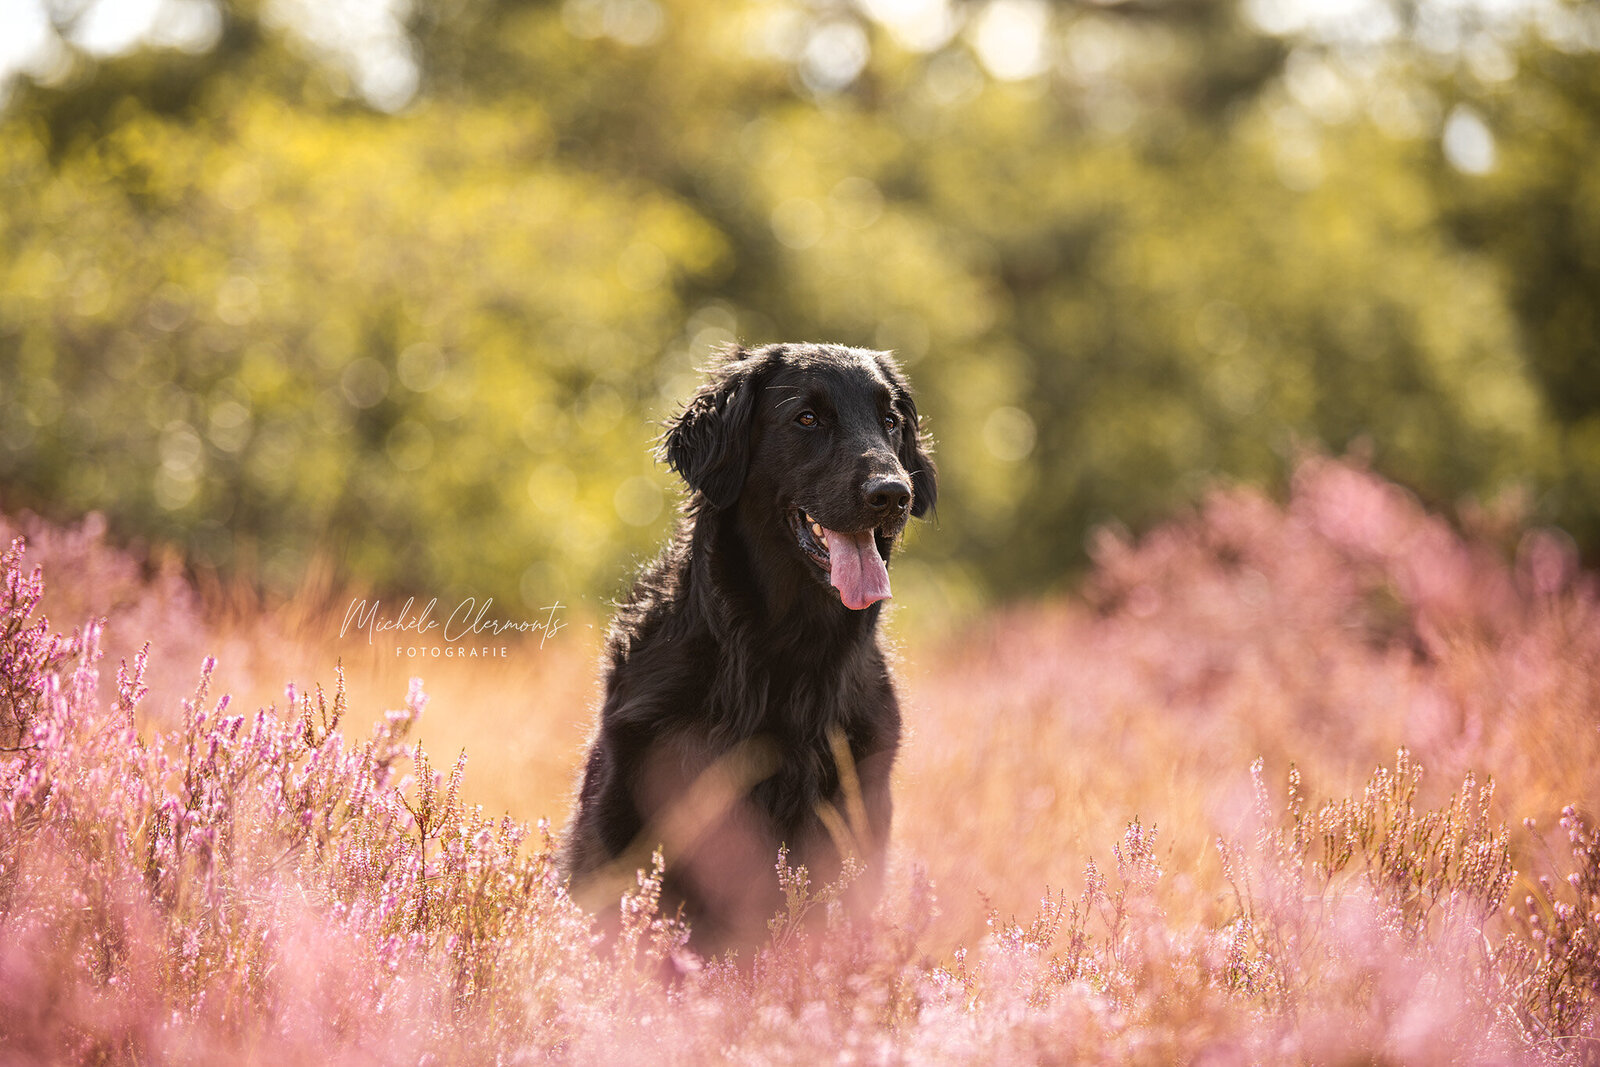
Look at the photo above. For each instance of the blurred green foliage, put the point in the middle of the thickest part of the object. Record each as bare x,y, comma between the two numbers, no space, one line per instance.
244,309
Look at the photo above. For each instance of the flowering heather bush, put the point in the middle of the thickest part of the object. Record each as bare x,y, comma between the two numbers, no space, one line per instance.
92,578
199,884
1325,634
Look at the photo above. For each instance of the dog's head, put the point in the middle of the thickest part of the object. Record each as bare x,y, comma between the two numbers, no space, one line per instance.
819,442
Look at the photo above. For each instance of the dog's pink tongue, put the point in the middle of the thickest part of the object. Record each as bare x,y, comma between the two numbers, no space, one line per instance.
857,570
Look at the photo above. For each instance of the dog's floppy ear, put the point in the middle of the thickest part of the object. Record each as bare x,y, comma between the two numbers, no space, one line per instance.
709,442
914,450
913,456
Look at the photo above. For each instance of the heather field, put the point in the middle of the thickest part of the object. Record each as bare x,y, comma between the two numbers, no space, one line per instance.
1295,780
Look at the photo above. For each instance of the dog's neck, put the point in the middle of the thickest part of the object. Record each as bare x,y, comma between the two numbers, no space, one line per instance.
785,644
777,604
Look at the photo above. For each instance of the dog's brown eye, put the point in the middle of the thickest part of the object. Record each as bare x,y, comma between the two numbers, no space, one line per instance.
891,422
806,418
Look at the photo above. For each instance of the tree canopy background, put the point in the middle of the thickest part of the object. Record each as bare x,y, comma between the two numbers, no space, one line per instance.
417,291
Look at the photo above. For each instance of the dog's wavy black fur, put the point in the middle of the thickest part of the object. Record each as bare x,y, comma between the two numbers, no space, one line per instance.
735,661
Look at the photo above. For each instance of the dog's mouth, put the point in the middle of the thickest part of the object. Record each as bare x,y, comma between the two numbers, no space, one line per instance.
853,561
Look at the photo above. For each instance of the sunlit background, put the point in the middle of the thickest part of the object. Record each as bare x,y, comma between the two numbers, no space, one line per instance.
1260,340
408,288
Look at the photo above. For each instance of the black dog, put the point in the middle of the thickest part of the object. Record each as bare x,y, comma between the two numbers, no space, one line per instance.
747,703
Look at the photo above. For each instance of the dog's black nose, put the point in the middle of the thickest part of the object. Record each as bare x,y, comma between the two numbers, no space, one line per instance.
887,494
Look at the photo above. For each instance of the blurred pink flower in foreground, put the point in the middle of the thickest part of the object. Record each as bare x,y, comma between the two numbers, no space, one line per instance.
199,883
